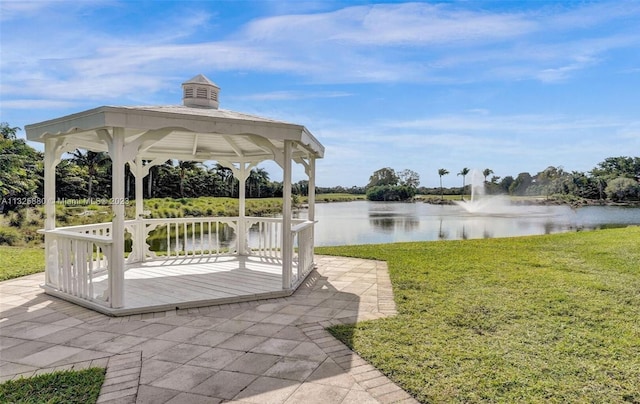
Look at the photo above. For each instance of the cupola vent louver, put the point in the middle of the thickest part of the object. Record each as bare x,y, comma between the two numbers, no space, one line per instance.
200,92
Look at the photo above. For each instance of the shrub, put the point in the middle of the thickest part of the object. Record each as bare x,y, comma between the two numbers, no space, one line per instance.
16,218
622,188
390,193
10,236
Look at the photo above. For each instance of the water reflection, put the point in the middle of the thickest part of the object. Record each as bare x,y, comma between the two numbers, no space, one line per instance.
365,222
159,239
381,222
391,222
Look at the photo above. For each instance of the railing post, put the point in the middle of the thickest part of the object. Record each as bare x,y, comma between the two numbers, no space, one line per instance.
242,223
311,201
52,269
116,262
137,236
287,235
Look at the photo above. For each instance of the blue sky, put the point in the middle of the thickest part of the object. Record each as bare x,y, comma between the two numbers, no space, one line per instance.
511,86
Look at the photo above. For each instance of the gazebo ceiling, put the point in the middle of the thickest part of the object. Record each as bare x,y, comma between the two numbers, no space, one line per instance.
181,132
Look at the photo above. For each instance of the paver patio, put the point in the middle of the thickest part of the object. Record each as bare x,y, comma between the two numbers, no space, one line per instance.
267,351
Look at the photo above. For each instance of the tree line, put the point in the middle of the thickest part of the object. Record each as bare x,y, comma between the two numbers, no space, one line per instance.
87,174
615,179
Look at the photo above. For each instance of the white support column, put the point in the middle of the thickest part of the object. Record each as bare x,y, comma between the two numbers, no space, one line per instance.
242,224
241,173
138,172
116,263
138,250
311,201
287,237
50,184
53,150
51,251
311,198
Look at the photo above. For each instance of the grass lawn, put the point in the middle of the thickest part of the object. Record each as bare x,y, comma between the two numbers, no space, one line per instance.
338,197
530,319
81,387
20,261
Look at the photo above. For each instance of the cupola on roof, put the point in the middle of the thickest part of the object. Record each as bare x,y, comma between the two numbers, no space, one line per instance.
195,131
200,92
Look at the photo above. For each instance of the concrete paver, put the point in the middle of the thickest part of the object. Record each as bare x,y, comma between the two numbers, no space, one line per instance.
269,351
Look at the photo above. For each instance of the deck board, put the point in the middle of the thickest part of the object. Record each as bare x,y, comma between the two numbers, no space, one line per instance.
188,279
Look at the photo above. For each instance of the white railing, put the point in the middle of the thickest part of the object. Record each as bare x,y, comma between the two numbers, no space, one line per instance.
79,257
264,237
183,237
78,263
205,237
98,229
302,251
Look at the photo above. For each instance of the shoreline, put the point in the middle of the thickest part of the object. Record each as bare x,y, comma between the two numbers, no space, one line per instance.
542,201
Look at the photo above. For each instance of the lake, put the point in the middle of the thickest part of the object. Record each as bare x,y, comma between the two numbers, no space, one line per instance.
364,222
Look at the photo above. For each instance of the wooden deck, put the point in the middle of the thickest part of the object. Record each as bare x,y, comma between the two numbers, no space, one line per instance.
188,282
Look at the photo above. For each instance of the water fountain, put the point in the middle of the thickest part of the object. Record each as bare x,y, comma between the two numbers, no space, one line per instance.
483,204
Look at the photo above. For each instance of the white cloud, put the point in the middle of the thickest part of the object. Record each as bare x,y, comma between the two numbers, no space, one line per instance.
541,125
378,25
37,104
293,95
411,42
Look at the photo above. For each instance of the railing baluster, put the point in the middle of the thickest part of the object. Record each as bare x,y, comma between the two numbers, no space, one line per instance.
74,267
177,241
91,264
66,267
201,237
217,238
80,263
168,226
270,231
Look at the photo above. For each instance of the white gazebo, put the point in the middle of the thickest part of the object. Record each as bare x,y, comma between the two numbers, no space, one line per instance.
269,257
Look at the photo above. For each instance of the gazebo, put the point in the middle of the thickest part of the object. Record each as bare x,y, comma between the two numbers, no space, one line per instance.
88,264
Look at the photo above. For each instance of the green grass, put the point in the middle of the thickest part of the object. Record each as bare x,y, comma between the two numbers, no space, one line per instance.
66,387
20,261
338,197
438,198
531,319
208,206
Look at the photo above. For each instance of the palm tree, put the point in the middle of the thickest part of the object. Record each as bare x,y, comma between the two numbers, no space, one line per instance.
163,183
258,178
464,173
441,172
183,168
226,175
487,172
93,161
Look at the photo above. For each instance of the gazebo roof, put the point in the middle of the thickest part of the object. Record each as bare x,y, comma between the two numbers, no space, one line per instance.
182,132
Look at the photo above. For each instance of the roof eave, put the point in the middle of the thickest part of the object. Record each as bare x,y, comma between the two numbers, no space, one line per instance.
141,119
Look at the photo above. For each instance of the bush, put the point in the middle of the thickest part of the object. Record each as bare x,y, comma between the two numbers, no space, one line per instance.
390,193
16,218
622,188
10,236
